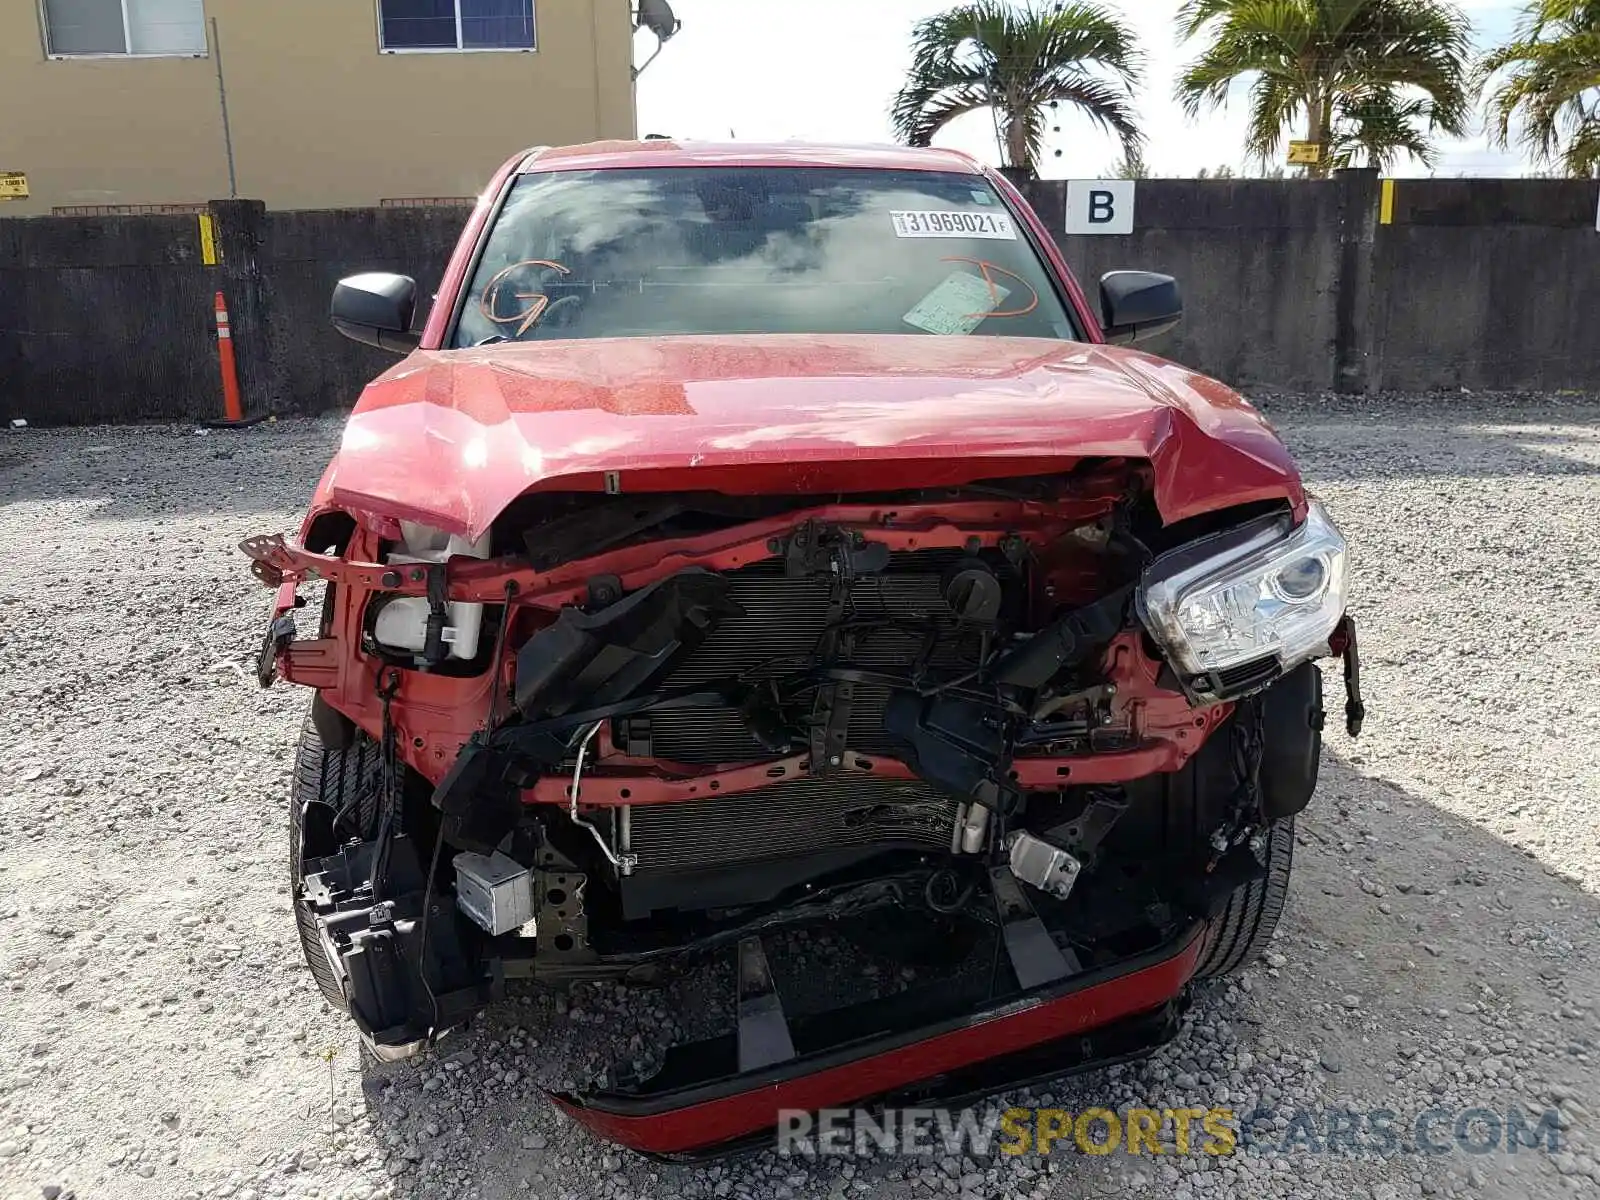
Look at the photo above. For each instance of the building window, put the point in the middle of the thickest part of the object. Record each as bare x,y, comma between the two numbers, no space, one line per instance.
455,25
131,27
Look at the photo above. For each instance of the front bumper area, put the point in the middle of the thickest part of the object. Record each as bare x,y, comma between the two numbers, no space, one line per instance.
902,1050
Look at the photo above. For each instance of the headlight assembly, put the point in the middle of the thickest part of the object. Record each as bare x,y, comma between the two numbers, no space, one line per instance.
1264,595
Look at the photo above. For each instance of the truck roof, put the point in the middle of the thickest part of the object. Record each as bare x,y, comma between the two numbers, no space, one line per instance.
666,152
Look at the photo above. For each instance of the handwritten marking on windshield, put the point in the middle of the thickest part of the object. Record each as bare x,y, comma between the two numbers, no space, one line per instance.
489,302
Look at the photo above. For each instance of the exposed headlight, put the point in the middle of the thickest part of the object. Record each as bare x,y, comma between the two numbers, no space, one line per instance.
1267,590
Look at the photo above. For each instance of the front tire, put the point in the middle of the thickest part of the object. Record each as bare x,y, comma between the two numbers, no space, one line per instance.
1240,932
329,784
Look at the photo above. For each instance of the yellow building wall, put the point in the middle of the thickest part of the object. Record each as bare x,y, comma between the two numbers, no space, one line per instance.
320,117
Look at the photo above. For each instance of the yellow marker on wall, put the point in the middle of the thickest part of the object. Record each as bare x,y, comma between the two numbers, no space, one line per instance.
208,240
1386,203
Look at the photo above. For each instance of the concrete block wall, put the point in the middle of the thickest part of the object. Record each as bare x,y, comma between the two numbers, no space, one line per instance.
1351,284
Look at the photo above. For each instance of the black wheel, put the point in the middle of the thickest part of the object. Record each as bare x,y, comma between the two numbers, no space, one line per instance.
334,796
1242,929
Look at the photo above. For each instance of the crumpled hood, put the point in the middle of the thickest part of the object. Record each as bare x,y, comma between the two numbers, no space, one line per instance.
451,437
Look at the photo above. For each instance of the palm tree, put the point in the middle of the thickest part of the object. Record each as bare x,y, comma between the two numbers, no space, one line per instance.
1550,79
1372,78
1015,60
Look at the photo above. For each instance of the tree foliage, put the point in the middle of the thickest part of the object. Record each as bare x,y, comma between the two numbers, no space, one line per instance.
1545,85
1370,80
1014,60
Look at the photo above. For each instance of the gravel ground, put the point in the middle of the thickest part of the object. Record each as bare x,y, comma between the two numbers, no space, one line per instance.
159,1036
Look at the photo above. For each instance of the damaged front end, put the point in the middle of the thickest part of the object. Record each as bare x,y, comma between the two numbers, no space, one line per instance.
618,732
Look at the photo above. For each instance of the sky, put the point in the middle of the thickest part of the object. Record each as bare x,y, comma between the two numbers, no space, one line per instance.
825,70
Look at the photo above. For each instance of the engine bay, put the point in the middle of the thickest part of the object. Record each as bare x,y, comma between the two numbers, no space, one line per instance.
878,692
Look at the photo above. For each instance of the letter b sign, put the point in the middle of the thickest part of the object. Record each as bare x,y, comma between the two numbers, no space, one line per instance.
1100,206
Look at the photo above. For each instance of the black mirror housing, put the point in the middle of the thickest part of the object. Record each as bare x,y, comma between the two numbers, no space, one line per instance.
376,309
1135,305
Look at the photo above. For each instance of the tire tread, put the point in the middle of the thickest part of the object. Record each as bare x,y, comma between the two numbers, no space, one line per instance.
328,777
1241,931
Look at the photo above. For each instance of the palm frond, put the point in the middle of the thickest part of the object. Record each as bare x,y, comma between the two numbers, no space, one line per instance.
1544,84
1195,15
1581,157
1274,104
1268,36
928,102
1381,128
1108,106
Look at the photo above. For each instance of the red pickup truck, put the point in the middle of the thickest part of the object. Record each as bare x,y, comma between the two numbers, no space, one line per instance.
757,537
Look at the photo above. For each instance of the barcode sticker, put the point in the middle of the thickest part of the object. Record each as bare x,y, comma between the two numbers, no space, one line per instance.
919,223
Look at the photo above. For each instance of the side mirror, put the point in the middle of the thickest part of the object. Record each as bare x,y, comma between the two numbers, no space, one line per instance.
1135,305
377,309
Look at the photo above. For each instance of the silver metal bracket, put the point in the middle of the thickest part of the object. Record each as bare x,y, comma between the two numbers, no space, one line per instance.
1046,867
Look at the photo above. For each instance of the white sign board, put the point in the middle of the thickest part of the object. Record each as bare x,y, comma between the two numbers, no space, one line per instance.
1100,205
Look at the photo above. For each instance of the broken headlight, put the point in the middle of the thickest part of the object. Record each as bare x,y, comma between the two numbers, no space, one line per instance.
1268,591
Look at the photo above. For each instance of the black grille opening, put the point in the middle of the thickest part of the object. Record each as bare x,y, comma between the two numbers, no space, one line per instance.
1239,679
790,819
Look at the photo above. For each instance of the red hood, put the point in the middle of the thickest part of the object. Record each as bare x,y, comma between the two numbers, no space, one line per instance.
452,437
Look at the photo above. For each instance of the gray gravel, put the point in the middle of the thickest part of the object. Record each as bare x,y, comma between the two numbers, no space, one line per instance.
159,1036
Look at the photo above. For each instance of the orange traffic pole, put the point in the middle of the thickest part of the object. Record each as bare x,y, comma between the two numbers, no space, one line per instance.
232,409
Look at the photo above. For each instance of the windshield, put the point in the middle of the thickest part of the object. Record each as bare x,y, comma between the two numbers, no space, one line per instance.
693,250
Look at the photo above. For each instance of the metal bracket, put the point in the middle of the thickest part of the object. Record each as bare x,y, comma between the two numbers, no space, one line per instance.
830,711
278,638
1083,834
560,922
764,1037
1035,957
1355,712
1049,868
818,549
829,735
